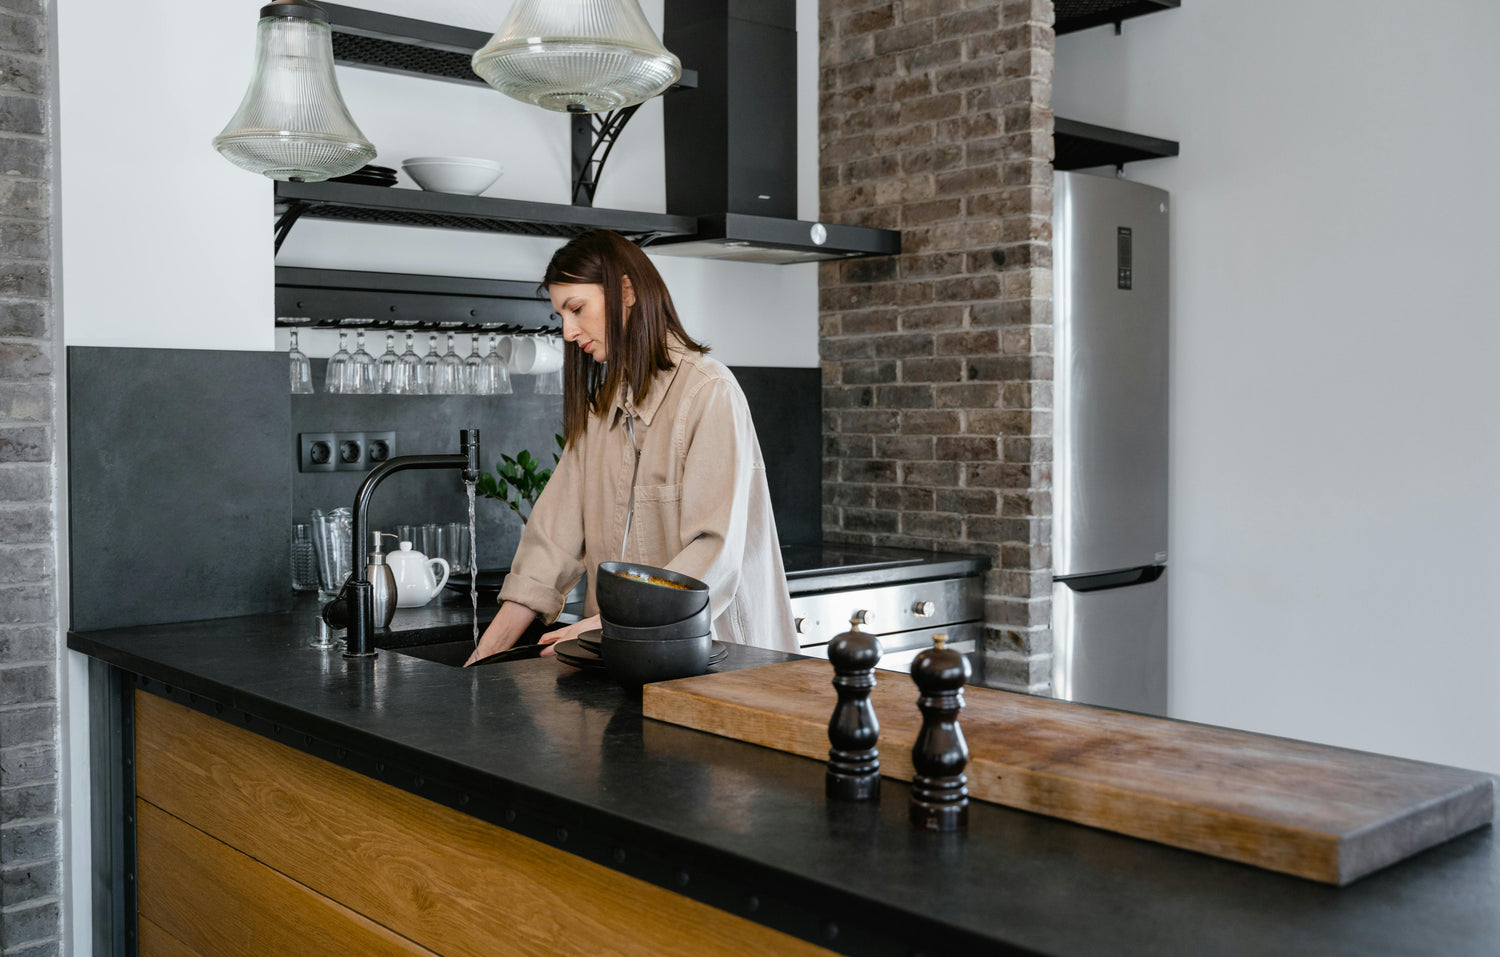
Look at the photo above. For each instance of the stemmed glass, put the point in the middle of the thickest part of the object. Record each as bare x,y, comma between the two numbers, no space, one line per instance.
385,366
450,372
300,369
494,377
362,368
336,377
472,385
409,377
430,366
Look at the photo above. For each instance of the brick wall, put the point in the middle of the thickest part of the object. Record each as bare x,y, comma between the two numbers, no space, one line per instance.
29,844
935,119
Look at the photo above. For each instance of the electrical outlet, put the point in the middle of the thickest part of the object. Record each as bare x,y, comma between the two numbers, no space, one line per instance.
316,451
349,452
344,451
379,446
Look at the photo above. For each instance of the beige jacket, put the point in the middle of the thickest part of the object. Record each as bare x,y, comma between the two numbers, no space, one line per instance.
702,506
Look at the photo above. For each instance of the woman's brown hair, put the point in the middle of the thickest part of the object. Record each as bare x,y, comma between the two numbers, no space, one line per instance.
636,347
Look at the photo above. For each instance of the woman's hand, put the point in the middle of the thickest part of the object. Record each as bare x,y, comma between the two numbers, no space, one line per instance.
563,634
510,623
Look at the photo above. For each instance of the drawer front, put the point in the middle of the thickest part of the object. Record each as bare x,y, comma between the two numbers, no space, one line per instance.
894,608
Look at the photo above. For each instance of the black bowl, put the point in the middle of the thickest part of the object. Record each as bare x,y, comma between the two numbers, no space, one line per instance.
640,662
636,603
689,627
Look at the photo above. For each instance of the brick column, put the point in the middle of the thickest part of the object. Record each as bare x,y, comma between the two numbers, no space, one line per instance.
30,907
937,364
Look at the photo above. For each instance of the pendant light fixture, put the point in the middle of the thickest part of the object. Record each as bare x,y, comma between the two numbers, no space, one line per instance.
293,124
577,56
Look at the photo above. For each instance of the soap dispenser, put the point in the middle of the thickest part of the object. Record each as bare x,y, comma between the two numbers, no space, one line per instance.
383,585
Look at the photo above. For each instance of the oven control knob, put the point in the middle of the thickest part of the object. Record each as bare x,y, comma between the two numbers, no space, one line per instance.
798,624
862,617
923,609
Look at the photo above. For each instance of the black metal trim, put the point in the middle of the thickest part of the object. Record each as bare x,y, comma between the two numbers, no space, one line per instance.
112,810
1074,15
1083,145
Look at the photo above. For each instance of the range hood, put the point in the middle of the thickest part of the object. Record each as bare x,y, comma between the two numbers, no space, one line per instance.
731,143
765,239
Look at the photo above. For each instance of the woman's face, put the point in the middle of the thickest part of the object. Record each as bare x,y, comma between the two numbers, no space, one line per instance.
581,306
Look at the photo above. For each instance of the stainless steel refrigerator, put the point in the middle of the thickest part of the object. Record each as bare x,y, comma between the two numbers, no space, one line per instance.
1109,528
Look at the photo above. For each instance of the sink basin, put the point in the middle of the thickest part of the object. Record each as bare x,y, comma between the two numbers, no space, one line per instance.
452,645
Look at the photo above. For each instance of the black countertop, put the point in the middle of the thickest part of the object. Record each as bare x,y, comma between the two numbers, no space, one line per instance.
566,757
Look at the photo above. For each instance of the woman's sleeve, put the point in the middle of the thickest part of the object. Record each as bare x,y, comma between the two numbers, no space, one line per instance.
719,456
549,560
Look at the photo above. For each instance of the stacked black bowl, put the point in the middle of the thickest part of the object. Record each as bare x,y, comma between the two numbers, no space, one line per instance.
656,624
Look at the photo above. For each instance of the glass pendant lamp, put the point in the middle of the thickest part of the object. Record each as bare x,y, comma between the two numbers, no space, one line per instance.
577,56
293,124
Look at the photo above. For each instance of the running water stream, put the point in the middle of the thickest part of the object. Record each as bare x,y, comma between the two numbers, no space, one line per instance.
473,565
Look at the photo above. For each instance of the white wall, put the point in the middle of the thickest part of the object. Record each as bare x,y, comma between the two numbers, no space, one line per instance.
1335,535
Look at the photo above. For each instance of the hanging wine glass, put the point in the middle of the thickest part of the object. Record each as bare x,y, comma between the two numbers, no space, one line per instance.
472,368
450,371
385,366
494,376
409,377
300,369
362,368
430,366
336,377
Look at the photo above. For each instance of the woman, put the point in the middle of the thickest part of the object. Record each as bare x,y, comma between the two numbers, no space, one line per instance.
661,465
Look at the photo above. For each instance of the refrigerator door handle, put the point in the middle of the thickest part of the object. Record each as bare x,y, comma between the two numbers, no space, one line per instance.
1118,579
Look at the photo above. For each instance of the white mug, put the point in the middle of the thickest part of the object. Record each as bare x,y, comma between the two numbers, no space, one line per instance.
536,355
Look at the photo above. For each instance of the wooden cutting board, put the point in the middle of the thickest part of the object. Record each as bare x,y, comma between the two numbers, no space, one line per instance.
1319,812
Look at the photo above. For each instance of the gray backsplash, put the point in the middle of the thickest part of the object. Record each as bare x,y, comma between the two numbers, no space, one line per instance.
507,424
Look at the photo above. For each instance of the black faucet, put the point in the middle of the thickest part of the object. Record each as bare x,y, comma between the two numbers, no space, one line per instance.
358,592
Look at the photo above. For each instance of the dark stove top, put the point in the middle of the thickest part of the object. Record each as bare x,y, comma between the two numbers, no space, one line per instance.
801,560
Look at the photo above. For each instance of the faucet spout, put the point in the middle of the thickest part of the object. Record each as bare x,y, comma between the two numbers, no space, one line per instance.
359,592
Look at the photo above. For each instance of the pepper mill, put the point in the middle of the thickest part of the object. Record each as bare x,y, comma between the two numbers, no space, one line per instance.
939,789
853,761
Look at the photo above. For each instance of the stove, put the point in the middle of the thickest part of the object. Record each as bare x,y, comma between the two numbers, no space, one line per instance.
903,596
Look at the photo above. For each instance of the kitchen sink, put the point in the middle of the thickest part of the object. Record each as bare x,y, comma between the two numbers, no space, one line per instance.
452,645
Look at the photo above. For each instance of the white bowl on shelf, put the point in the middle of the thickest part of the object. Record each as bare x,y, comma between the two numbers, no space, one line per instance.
466,175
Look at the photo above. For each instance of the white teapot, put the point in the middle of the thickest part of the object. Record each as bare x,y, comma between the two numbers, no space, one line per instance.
415,581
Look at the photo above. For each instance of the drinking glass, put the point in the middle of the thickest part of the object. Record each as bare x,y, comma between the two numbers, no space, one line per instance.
336,378
300,369
409,378
332,543
450,372
549,383
430,366
304,559
472,365
458,547
385,366
494,378
362,369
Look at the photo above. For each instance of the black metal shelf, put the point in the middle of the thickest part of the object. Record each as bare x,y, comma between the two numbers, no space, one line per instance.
1083,145
403,302
1074,15
351,202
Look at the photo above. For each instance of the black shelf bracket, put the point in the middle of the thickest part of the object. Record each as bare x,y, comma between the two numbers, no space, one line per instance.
594,135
